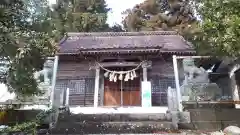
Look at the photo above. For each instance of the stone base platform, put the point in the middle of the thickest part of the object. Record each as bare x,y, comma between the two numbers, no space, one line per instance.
69,123
211,119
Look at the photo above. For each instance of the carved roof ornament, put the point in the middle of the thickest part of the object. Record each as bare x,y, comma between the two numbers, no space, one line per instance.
147,64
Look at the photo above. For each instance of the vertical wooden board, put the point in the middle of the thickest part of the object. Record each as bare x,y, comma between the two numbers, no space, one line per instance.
131,93
131,98
126,99
135,98
111,98
111,94
68,70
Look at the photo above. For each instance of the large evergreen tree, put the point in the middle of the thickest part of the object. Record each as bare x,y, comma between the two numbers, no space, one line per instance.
216,34
25,42
81,15
152,15
30,29
220,28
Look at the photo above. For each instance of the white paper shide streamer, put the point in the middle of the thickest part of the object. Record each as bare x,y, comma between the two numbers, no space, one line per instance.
120,75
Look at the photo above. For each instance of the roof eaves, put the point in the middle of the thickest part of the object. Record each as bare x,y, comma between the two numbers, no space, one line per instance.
73,34
65,37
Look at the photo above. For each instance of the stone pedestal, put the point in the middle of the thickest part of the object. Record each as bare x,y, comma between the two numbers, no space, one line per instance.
172,99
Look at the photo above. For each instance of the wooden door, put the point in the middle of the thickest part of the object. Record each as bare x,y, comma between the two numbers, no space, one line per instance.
112,93
130,92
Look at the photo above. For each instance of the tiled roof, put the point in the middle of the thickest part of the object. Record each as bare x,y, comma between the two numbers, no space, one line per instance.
165,40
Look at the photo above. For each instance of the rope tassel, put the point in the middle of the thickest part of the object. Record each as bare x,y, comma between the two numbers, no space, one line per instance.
132,77
134,74
106,74
120,77
115,78
126,77
111,77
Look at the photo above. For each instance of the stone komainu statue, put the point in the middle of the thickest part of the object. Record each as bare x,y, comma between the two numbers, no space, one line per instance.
196,85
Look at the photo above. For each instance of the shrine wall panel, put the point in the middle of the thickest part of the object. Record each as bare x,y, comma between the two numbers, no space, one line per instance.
161,76
79,78
74,70
161,68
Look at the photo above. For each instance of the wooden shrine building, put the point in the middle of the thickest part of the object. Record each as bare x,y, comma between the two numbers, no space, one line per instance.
107,69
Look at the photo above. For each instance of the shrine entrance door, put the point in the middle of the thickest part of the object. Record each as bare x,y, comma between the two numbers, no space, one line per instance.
122,93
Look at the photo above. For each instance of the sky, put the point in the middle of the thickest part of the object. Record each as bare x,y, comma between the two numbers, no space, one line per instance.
117,6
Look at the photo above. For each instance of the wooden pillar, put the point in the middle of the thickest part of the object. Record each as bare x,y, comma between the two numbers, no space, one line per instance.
177,82
101,91
96,88
67,97
144,66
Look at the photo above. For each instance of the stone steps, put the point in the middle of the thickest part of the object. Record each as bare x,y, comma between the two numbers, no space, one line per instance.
112,127
112,123
114,117
134,134
178,132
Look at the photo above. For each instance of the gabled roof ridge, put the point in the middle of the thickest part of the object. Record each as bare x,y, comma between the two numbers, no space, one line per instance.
102,34
167,40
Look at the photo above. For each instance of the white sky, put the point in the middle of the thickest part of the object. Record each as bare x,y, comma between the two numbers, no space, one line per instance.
117,6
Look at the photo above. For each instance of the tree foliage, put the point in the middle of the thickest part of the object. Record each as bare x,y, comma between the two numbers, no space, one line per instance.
30,29
26,39
81,15
219,32
29,127
152,15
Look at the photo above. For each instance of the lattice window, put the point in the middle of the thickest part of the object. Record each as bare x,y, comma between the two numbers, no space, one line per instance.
81,86
82,91
90,84
61,84
77,86
159,89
